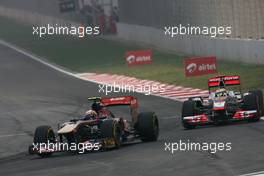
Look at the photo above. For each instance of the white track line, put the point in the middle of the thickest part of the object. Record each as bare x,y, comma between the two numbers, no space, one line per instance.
169,117
12,135
261,173
38,59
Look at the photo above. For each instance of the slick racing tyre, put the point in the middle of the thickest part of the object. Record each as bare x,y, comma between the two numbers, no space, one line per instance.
188,109
44,135
111,129
259,94
148,126
251,103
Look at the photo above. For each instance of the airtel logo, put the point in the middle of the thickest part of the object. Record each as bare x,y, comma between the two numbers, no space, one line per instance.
131,59
200,66
191,67
205,67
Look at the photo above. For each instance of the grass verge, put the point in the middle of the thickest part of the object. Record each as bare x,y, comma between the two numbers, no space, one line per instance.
107,56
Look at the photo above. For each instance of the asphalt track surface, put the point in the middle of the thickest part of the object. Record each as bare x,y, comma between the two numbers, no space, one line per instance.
32,94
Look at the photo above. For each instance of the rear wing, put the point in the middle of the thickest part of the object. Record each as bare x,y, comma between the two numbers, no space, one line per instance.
223,81
126,100
94,98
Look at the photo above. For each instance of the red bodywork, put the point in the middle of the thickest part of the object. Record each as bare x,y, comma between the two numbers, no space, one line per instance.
202,119
125,100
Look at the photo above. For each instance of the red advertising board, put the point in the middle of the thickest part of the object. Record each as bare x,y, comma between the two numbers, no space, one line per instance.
138,57
200,66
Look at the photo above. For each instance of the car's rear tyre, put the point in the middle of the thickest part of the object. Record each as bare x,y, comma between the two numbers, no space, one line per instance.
251,103
148,126
188,109
259,94
44,135
111,129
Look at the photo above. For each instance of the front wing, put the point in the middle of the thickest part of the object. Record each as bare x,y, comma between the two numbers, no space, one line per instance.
203,119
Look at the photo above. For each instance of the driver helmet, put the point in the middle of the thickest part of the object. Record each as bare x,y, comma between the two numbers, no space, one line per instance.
90,114
97,106
221,92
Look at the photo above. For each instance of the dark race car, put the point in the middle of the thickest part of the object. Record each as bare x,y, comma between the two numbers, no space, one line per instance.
223,104
99,128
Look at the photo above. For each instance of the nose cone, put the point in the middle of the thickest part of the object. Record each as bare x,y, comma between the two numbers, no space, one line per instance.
219,105
69,127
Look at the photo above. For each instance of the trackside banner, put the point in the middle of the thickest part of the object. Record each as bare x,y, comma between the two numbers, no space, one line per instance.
138,57
200,66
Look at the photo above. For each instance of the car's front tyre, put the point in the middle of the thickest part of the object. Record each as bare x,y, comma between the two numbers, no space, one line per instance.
44,135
